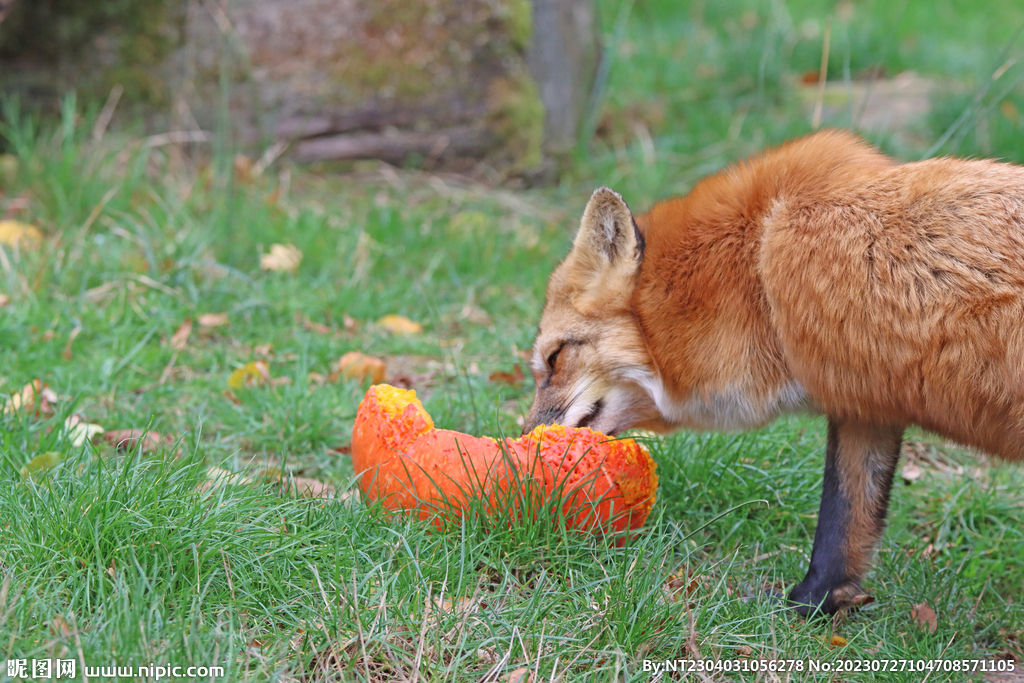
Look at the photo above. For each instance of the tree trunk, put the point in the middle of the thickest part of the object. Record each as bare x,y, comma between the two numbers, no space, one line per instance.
563,59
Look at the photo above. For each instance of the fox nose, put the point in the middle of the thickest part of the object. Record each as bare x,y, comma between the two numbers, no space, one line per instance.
540,417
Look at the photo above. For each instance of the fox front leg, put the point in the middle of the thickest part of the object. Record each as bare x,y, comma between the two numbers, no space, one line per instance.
859,464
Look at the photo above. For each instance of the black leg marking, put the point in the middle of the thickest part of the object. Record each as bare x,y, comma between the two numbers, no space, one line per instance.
859,465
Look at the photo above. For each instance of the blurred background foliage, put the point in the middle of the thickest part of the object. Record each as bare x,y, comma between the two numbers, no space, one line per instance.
692,85
683,86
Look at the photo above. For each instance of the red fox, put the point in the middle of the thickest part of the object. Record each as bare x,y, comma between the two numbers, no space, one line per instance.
820,276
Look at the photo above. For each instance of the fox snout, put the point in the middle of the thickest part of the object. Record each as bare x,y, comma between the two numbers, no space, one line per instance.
536,418
541,414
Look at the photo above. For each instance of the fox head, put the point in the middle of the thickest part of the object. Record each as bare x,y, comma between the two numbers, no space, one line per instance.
590,361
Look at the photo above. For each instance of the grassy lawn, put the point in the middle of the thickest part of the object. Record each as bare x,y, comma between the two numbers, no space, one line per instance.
135,557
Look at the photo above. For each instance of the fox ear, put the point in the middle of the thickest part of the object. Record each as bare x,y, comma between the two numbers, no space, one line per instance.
607,231
606,254
608,235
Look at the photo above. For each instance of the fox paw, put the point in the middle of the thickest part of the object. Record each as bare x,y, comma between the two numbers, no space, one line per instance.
807,600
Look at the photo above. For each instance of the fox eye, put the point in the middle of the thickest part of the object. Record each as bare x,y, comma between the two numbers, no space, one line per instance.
554,357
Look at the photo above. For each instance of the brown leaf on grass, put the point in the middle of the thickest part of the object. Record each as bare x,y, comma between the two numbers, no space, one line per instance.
681,583
408,372
744,651
209,320
40,464
252,373
80,431
243,167
350,324
287,485
402,381
513,379
475,314
521,675
180,337
59,627
4,300
359,366
36,396
311,325
132,439
399,324
861,600
835,641
911,472
282,258
341,450
925,617
67,355
22,235
876,649
230,395
263,350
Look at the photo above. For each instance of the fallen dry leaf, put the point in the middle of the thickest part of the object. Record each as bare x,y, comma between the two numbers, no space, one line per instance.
40,464
459,604
513,379
4,300
216,477
60,628
67,355
263,350
861,600
359,366
681,583
80,431
399,324
402,381
131,439
311,325
475,315
213,320
836,641
925,617
230,395
22,235
34,395
911,472
283,258
521,675
253,372
243,169
180,338
301,486
744,651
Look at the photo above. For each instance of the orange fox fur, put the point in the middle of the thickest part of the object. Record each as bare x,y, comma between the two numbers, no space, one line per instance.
819,276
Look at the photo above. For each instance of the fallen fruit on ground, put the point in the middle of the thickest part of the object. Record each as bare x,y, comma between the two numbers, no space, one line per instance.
404,462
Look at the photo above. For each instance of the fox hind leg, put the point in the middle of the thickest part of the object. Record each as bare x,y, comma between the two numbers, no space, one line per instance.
860,461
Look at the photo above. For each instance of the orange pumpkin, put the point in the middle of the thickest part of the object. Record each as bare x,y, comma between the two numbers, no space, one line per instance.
407,464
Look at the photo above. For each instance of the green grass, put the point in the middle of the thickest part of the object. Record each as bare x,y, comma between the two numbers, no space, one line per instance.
126,558
709,82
